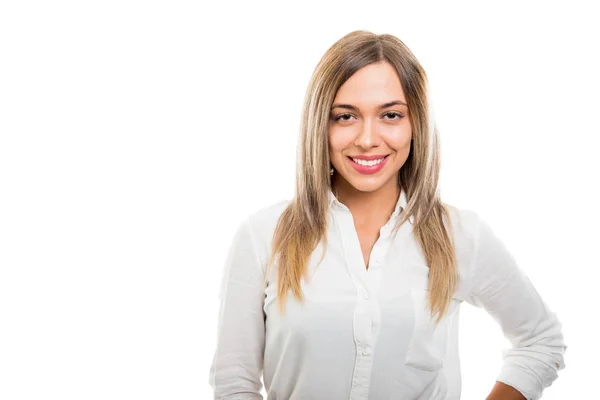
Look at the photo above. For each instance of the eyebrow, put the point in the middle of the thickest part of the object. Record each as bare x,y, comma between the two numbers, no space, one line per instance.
385,105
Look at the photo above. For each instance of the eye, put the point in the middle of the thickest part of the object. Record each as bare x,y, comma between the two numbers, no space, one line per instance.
394,114
343,117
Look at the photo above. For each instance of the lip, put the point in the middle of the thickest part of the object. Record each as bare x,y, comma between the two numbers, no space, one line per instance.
367,158
368,170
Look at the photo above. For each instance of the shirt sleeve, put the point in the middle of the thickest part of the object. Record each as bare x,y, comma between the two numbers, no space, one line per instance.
237,364
499,285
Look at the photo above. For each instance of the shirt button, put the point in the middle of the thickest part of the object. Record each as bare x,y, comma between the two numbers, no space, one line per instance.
365,352
366,296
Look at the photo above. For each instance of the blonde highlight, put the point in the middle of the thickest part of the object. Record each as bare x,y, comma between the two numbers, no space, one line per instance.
304,223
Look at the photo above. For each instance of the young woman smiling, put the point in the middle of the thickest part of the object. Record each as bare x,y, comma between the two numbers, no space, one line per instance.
352,289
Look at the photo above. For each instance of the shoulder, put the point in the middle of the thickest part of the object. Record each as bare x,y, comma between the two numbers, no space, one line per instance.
481,253
465,221
267,216
466,224
262,223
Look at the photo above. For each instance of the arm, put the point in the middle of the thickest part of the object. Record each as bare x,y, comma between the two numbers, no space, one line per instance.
497,284
502,391
238,360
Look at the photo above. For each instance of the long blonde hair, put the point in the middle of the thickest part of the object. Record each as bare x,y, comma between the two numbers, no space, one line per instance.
303,224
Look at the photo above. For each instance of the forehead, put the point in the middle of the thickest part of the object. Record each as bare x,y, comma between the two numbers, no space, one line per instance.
371,85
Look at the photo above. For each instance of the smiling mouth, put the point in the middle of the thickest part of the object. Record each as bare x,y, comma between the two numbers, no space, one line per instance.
368,161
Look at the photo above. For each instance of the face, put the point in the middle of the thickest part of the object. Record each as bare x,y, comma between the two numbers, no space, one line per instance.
369,117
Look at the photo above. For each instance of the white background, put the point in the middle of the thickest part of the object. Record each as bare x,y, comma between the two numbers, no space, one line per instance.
136,135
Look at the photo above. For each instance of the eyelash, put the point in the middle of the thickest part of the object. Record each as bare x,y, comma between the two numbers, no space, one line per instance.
400,116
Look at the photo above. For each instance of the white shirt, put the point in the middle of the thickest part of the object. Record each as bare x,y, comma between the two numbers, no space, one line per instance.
366,334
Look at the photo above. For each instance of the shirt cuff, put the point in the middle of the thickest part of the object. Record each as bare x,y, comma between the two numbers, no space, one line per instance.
523,381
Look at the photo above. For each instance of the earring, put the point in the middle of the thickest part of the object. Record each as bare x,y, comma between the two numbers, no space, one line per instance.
331,171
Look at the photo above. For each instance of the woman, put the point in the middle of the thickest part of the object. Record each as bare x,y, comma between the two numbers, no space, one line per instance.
352,289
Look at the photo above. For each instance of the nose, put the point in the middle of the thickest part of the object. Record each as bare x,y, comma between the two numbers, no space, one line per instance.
369,135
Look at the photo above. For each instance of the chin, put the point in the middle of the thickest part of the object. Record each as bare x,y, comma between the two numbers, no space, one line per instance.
367,184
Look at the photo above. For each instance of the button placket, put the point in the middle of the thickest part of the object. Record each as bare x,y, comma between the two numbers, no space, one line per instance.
365,307
362,373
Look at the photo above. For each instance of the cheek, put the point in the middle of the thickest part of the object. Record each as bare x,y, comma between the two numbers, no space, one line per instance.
398,138
401,145
338,141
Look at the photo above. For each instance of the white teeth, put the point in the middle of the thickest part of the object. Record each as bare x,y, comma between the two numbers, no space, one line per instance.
367,163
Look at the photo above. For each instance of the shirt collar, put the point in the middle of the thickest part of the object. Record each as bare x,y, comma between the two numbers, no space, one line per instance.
400,204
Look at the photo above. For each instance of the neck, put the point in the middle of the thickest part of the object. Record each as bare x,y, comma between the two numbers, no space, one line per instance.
368,208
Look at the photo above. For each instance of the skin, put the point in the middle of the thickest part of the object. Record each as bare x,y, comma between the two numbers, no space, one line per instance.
502,391
368,129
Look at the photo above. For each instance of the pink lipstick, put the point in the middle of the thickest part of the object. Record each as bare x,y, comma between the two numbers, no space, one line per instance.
369,169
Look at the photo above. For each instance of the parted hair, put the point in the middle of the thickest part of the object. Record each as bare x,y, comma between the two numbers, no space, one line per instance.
303,224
